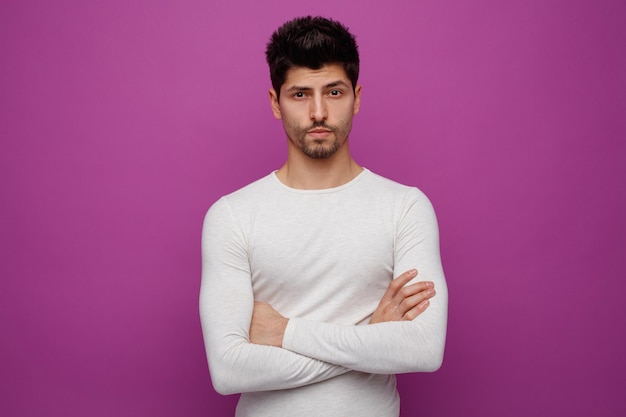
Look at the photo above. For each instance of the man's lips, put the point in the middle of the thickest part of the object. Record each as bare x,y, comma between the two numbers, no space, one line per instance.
319,132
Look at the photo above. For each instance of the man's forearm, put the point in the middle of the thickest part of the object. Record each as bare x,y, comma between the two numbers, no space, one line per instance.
386,348
237,365
410,347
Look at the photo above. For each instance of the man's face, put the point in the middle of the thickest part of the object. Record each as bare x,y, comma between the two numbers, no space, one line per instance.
316,107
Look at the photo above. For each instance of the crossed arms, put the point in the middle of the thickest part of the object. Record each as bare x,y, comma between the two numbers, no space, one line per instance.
400,302
251,347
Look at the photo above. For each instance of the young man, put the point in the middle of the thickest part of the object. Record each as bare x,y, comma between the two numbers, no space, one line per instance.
299,306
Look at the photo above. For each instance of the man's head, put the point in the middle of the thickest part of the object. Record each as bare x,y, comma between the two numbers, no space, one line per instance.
311,42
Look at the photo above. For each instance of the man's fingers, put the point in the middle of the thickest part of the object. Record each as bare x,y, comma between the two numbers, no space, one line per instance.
398,283
402,301
416,311
411,290
411,306
409,303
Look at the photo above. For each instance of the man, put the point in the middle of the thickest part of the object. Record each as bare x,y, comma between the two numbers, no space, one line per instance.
299,306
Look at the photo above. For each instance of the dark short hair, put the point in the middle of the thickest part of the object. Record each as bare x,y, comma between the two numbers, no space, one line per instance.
311,42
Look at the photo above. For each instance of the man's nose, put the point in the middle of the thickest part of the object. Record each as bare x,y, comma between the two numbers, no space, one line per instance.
318,109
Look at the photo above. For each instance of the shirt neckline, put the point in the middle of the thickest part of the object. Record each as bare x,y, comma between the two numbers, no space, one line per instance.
353,181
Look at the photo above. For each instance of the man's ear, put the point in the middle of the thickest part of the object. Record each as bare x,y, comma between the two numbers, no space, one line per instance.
357,99
274,103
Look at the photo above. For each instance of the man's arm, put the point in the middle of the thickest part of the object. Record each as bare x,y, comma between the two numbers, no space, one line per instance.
226,303
410,345
400,302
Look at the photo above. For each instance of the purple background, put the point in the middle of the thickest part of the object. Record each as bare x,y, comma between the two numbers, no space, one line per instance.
123,121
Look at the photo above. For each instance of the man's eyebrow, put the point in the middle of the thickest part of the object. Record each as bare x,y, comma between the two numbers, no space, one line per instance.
337,84
298,88
329,85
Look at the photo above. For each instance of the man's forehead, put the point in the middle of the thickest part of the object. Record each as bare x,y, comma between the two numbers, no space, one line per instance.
311,78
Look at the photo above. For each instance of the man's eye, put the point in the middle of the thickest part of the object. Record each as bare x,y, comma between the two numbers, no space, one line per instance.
335,92
299,94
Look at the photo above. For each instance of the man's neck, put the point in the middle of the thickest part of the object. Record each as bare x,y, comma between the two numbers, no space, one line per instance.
305,173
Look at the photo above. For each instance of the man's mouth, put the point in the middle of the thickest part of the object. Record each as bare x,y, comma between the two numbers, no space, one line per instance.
319,133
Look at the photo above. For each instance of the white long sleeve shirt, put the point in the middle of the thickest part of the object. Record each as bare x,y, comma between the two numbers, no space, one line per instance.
322,258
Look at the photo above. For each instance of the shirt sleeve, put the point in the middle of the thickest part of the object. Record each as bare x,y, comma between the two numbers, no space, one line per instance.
390,347
226,304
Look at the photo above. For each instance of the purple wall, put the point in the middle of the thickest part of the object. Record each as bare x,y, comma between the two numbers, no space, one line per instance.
122,121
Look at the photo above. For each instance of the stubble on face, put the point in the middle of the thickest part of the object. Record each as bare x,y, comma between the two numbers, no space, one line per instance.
319,148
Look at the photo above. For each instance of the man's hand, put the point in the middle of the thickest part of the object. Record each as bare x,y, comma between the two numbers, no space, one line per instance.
267,326
403,303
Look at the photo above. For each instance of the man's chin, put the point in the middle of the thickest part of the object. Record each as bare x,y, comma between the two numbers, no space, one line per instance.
320,152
